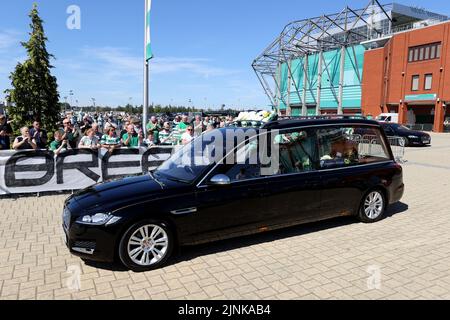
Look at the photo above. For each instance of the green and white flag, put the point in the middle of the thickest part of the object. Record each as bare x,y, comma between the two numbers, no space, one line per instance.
148,45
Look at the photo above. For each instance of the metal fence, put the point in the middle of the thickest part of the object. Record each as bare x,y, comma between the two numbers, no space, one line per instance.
420,127
398,148
371,145
428,127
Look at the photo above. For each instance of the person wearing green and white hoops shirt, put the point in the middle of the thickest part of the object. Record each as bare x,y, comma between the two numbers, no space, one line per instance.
165,134
183,125
110,141
132,139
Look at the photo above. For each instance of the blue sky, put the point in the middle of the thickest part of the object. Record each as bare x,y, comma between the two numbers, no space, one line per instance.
203,48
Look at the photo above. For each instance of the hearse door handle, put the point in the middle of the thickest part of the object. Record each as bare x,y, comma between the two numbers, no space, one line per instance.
184,211
333,180
315,184
261,191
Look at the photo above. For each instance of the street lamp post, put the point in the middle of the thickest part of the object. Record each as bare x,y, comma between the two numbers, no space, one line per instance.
71,99
65,104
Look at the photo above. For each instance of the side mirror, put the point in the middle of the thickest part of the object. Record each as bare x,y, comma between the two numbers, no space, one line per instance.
220,180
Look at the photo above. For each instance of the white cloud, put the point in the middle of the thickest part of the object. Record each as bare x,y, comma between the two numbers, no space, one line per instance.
9,39
119,59
114,58
113,74
196,66
11,52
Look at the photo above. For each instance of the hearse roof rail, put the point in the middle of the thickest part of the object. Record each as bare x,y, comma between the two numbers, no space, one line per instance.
286,122
325,117
279,120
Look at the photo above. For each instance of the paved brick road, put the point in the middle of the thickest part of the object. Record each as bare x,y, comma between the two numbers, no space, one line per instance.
405,256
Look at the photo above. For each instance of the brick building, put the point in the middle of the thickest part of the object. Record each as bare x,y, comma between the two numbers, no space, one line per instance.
388,58
410,75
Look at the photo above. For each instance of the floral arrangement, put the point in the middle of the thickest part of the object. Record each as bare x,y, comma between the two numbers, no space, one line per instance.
254,116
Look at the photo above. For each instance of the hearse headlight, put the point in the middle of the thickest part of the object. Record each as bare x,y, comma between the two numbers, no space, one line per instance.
413,137
98,219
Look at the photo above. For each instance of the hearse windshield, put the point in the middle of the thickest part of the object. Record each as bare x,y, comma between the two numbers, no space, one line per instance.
189,162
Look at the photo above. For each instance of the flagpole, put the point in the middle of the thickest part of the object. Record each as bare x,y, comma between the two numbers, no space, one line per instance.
146,99
146,75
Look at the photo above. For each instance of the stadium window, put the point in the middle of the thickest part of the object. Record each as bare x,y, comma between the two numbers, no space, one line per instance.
415,83
427,53
433,52
411,55
428,81
416,54
439,49
421,54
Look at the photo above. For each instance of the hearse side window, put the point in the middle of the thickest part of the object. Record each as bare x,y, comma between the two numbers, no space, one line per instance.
341,147
297,151
248,165
245,163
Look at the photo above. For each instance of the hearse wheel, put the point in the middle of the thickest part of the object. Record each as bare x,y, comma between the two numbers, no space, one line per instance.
373,207
147,245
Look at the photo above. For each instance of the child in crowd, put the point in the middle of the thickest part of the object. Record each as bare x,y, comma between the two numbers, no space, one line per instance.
59,145
89,141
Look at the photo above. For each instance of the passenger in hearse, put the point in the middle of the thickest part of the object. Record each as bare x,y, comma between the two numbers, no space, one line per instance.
241,175
297,152
345,149
342,152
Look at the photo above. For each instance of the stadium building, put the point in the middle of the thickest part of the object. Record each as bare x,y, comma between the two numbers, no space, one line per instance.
381,59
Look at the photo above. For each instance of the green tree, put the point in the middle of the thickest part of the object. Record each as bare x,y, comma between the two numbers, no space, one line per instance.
64,106
157,108
34,92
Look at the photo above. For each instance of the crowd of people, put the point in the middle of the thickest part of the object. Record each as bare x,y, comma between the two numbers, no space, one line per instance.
109,131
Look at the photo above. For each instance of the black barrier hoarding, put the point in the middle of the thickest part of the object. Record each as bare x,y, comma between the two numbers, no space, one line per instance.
107,164
11,168
153,157
81,166
42,171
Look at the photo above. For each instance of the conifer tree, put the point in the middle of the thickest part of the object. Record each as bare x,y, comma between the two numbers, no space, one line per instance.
34,94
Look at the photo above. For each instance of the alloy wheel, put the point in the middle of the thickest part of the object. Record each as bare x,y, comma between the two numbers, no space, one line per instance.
373,205
148,245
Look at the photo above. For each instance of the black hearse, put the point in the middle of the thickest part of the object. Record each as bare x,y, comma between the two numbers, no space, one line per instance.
317,169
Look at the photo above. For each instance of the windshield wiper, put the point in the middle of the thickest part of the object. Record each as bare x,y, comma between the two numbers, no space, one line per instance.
177,179
152,175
